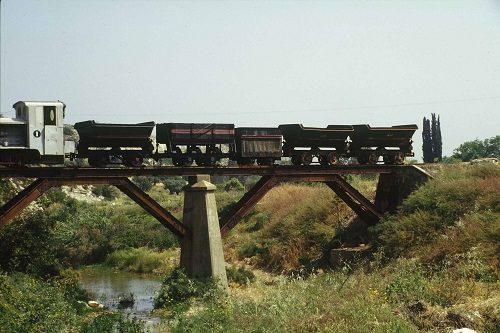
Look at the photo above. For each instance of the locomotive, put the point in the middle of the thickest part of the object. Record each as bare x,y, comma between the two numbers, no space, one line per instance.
36,136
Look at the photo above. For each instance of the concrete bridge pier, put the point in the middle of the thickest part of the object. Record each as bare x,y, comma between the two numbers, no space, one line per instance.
201,251
395,187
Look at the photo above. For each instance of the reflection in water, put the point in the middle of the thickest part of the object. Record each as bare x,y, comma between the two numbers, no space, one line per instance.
109,285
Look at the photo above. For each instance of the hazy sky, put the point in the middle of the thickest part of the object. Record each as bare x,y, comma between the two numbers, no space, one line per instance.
259,63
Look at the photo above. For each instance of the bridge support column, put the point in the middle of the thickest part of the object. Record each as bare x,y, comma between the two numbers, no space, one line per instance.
394,187
201,253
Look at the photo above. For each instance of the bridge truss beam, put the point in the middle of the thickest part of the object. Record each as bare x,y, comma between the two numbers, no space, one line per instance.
40,185
355,200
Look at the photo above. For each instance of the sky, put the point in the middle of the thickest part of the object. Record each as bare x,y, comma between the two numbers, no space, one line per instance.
259,63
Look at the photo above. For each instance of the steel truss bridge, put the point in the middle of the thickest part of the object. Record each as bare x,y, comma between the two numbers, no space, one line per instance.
395,183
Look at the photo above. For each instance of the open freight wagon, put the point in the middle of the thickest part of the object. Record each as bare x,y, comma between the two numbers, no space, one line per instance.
189,142
393,144
328,144
105,144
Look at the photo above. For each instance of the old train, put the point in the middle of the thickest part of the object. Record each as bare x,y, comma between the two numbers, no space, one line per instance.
35,136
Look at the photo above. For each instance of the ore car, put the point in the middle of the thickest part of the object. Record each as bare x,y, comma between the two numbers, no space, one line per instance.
260,144
328,144
188,142
105,144
393,144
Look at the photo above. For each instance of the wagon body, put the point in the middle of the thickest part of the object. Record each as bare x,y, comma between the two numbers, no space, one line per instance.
93,134
333,136
365,136
258,142
194,134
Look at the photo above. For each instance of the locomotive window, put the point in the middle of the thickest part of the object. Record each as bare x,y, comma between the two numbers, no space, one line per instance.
49,115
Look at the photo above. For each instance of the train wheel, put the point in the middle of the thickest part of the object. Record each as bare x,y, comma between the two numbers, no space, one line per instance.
388,159
296,160
178,160
215,156
362,160
99,161
399,158
306,158
265,161
323,160
333,158
93,162
373,158
243,161
211,160
137,160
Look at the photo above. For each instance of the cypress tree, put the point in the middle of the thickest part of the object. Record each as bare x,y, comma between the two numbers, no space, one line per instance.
432,144
438,142
427,141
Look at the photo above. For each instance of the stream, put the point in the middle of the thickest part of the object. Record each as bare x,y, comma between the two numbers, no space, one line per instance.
109,285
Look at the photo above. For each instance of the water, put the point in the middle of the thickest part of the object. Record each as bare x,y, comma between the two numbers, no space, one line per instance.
108,286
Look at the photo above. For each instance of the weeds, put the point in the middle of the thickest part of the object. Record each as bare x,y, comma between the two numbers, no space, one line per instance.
143,260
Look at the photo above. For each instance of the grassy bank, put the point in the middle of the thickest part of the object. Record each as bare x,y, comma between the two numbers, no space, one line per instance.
144,260
436,267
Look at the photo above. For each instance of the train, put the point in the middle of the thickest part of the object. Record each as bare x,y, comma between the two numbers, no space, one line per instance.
36,136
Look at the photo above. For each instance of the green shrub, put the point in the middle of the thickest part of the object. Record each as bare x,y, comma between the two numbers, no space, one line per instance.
407,282
316,304
449,215
141,260
33,306
114,323
174,184
233,185
240,275
292,226
177,288
108,192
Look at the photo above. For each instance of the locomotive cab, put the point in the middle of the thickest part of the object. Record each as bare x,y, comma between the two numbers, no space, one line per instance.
35,135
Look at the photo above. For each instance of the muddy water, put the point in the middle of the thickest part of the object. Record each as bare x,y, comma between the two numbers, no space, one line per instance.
108,286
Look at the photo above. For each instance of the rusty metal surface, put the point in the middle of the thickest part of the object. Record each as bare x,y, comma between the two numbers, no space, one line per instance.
40,185
363,210
246,203
355,200
271,175
76,172
22,200
152,207
365,203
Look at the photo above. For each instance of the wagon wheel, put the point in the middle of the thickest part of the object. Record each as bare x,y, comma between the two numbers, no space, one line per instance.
265,161
332,158
362,159
93,162
389,159
211,160
189,160
137,160
213,156
99,161
306,158
399,158
177,161
373,158
296,160
246,161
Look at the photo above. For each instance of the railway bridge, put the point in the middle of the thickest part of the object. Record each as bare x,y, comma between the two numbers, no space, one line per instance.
201,228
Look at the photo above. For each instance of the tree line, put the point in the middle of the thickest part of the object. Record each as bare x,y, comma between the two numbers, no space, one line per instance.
432,145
